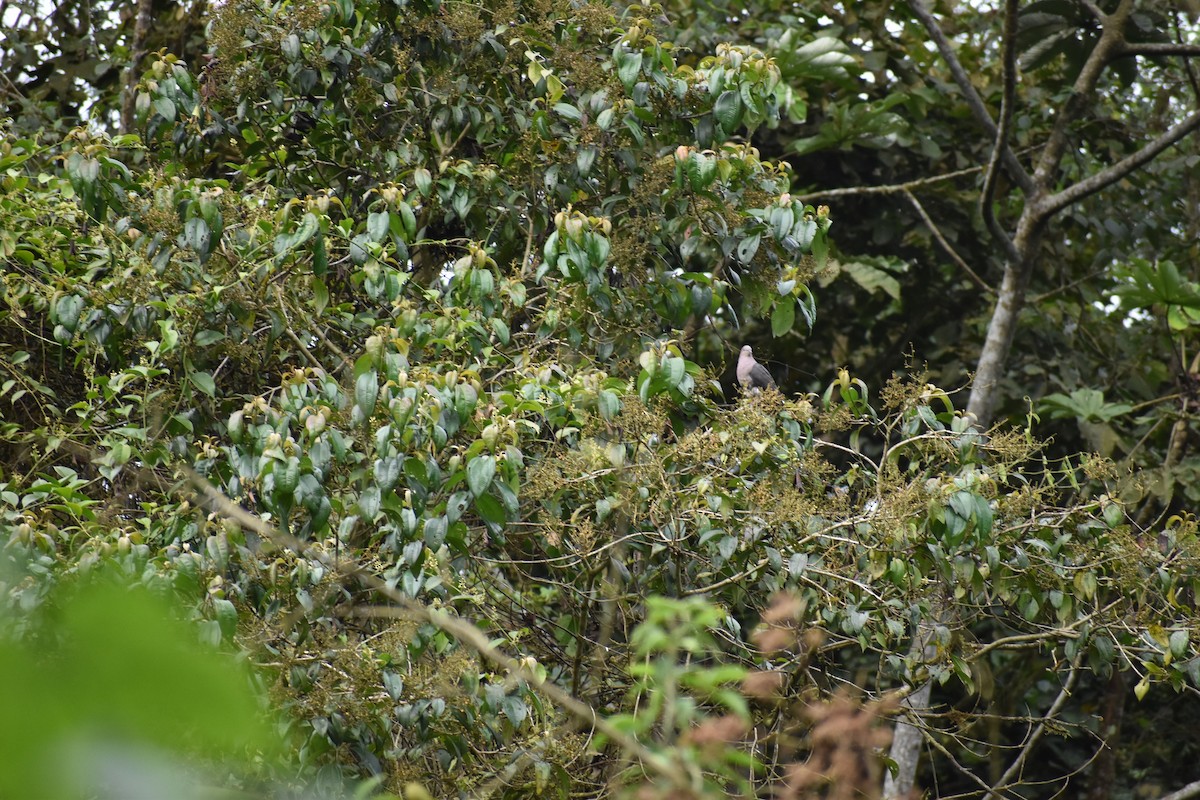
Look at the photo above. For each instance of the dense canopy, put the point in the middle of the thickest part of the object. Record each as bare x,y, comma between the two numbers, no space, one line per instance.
372,422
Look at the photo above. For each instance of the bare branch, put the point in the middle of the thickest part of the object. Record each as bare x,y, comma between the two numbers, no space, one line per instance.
1187,792
937,234
906,189
1085,84
1068,631
974,101
287,328
890,188
1187,64
966,773
462,630
1001,143
1156,49
1036,736
1051,205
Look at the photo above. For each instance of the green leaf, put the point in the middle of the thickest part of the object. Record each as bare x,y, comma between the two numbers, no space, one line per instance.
491,509
67,311
80,690
584,159
165,107
501,329
628,67
728,110
409,220
871,278
748,247
783,317
803,232
1085,584
204,382
423,181
435,532
227,618
320,262
198,237
208,337
751,101
480,471
672,371
287,476
1085,405
309,226
597,250
1161,283
820,252
569,111
609,404
369,503
320,295
1179,643
377,225
387,472
291,47
416,472
366,392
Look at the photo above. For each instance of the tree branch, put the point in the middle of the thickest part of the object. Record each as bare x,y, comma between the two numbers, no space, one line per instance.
889,188
906,189
937,234
974,101
1095,10
1029,638
1038,731
1085,84
1186,793
1001,144
1156,49
463,631
141,30
1052,204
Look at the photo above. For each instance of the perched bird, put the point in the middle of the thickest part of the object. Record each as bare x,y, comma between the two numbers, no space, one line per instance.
752,375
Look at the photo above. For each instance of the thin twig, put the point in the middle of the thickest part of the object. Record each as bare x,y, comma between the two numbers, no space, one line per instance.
1156,49
1083,88
954,256
1056,202
1027,638
1007,102
1040,729
287,328
463,631
974,101
891,188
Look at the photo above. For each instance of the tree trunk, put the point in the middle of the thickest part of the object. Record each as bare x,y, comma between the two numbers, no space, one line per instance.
141,29
907,737
993,357
906,748
1104,769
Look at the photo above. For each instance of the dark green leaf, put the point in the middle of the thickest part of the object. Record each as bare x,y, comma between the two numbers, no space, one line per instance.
480,471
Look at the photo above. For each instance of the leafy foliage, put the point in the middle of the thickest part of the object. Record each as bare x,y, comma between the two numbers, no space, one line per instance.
395,317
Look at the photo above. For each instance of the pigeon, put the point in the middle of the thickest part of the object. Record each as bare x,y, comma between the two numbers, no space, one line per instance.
752,375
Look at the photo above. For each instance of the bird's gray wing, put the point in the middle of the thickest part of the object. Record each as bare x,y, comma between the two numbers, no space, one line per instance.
760,378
